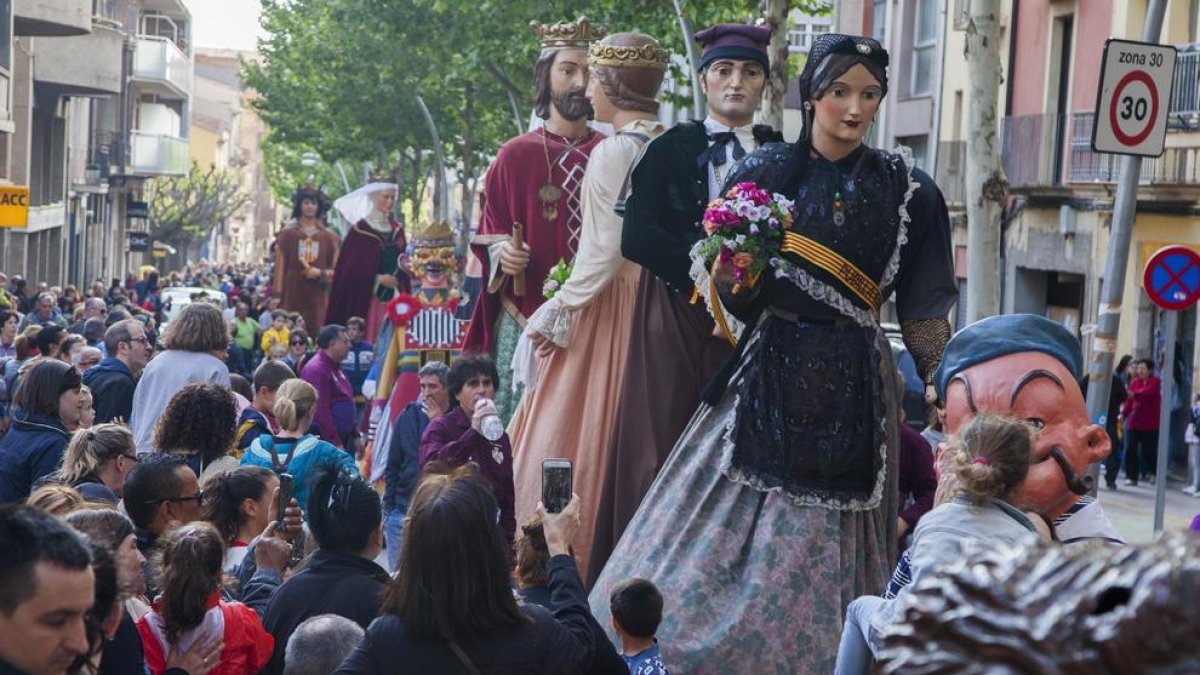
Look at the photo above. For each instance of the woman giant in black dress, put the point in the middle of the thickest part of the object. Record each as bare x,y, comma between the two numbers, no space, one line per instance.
778,505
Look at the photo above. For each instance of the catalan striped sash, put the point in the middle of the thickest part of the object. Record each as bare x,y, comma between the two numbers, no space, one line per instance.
832,262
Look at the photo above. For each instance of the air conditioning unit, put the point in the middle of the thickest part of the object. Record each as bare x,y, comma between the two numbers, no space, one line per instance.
1066,220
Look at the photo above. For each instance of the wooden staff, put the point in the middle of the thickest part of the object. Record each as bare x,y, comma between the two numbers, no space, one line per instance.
518,238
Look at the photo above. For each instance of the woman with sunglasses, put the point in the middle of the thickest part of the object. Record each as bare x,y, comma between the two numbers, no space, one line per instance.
97,461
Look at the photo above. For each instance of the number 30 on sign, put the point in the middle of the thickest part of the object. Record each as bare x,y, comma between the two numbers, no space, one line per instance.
1134,98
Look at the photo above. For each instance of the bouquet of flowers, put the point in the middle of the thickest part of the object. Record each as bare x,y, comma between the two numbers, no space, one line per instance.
556,278
745,230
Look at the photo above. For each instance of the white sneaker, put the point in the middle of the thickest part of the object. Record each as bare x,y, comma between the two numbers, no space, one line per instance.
1190,490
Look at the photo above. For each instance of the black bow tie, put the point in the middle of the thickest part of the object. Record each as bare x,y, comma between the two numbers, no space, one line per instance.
717,150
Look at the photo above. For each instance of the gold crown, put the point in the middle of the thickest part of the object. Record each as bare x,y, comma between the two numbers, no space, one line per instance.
578,34
381,176
613,56
431,235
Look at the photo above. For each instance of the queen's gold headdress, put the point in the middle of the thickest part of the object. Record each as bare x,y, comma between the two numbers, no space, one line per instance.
614,56
578,34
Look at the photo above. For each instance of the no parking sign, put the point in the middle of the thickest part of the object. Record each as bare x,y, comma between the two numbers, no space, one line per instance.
1134,98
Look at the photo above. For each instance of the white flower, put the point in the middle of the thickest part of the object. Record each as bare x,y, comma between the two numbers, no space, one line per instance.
550,286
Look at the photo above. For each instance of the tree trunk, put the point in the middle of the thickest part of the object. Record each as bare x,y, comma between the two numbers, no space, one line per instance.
467,166
776,14
699,109
441,202
986,186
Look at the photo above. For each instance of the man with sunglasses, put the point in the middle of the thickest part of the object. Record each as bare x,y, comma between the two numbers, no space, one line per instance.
161,492
113,381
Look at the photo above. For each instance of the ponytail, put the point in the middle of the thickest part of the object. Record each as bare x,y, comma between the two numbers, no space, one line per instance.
90,449
190,560
225,493
990,456
294,399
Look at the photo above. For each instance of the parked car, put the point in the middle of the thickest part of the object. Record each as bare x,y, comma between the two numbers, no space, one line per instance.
175,297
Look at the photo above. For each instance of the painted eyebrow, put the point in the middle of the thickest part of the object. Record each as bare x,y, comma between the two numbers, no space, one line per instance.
962,377
565,62
1033,376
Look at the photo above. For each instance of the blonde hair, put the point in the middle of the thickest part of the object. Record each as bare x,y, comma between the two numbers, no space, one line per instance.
293,400
989,457
57,500
91,449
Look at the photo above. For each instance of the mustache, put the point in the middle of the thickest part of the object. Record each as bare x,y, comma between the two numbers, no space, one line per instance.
1080,485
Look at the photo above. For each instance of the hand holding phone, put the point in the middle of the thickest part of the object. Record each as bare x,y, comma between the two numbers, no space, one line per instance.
282,499
556,484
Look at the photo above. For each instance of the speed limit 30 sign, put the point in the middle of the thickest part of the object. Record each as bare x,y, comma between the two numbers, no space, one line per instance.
1134,98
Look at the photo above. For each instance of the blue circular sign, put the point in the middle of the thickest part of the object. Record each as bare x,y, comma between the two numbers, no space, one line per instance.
1172,277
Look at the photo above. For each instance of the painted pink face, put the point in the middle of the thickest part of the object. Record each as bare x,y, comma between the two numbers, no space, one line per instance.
1037,388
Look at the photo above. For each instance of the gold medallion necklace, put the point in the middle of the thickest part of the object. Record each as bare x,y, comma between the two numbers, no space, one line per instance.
551,193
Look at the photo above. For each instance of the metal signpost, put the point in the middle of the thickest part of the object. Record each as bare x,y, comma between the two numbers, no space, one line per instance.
1172,280
1108,319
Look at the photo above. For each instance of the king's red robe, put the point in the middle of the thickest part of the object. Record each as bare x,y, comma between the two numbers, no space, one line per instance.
511,196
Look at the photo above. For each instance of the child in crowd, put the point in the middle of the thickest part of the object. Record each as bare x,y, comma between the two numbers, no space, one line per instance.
637,607
987,463
259,418
277,334
190,609
238,502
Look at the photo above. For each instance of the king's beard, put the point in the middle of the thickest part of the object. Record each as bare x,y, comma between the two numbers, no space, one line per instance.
572,104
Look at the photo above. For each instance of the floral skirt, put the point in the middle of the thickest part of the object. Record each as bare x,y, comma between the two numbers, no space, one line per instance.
752,581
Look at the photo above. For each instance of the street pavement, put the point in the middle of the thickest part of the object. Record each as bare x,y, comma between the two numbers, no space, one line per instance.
1131,509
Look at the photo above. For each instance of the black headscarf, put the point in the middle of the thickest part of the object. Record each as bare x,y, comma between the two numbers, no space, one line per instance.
833,54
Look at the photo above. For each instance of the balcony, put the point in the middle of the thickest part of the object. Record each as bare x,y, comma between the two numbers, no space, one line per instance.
1034,158
162,68
1185,92
85,65
157,154
52,18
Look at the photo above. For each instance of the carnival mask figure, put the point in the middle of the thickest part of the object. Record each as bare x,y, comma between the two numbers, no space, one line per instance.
433,261
1028,367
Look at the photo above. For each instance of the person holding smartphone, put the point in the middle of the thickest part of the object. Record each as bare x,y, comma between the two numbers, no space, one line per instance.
457,437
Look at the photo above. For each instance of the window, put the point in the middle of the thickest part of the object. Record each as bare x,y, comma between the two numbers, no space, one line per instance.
879,20
802,33
919,146
924,47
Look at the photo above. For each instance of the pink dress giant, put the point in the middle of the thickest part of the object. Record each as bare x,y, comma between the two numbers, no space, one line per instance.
569,411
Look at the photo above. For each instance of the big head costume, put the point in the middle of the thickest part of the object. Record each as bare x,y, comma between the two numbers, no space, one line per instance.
778,505
534,181
297,251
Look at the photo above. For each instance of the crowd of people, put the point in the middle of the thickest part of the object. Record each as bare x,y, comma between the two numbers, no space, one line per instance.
290,472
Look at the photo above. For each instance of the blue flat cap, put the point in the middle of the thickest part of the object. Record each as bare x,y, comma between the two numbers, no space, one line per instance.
1005,334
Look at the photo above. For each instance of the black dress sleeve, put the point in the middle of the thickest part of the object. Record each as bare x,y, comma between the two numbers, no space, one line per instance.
925,283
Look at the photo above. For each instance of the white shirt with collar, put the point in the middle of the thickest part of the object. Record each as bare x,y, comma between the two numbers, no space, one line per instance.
745,135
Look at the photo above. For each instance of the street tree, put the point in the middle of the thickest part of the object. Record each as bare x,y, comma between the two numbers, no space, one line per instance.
185,209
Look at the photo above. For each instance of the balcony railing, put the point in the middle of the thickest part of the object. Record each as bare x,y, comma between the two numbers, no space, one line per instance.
157,154
952,171
1033,157
158,59
1185,93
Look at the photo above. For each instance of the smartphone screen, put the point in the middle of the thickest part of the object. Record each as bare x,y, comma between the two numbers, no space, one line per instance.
286,492
556,484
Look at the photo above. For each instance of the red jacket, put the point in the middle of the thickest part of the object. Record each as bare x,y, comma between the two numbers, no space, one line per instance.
248,646
1142,407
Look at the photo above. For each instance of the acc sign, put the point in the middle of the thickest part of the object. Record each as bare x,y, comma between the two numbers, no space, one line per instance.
1172,277
14,206
1134,98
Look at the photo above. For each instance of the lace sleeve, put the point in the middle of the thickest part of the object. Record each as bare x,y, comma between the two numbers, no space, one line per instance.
925,339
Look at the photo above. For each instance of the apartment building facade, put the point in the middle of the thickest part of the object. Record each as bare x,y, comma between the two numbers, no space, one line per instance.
98,96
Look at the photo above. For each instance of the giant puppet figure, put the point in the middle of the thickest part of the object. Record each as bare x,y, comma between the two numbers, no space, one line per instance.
305,255
531,211
778,505
1029,367
672,351
422,327
583,331
369,269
